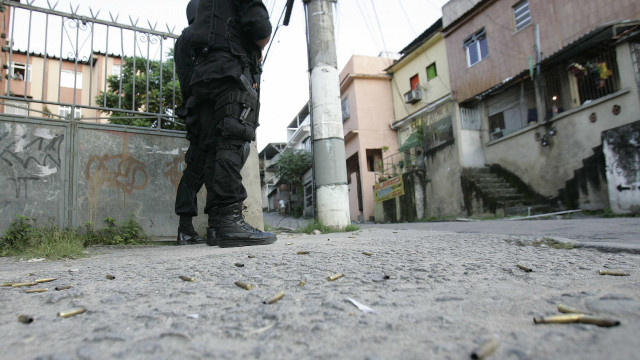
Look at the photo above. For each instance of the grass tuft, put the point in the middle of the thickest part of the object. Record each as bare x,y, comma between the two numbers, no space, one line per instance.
25,239
317,225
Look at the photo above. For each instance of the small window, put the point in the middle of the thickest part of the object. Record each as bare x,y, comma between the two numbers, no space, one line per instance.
20,72
431,71
414,82
521,15
346,114
116,70
476,47
65,112
374,159
496,125
67,79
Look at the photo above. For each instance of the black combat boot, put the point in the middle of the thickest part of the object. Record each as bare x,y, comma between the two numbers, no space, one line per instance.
232,230
187,235
211,232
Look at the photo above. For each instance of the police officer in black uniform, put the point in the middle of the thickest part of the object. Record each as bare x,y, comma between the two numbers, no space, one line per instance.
192,177
228,38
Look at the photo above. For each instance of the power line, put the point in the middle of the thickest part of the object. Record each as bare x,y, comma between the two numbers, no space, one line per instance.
273,38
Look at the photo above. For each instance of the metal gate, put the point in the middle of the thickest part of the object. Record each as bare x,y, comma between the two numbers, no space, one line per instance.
65,76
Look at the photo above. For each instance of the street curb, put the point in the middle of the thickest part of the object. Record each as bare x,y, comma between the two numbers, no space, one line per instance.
608,247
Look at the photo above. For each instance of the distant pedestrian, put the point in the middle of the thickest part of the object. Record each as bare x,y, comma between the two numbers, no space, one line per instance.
283,207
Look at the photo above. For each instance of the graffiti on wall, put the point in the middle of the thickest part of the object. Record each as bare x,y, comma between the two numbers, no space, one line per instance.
27,157
623,145
122,172
175,168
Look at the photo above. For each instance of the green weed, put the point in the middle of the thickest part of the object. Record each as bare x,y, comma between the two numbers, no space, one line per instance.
317,225
25,239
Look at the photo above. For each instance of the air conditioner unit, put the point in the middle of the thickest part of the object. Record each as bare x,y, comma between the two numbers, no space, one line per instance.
413,96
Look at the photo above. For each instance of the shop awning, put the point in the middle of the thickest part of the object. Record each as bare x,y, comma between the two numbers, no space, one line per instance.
412,141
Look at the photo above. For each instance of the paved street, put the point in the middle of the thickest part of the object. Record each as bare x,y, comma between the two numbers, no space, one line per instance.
436,295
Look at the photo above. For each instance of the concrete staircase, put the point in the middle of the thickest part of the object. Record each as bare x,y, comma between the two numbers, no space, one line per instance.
502,195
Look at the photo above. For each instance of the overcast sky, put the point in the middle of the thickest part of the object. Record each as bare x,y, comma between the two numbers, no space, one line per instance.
363,27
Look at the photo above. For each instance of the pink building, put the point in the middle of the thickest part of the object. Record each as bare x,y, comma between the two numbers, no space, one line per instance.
367,111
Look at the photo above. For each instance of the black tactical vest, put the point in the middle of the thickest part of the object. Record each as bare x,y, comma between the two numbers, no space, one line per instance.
216,28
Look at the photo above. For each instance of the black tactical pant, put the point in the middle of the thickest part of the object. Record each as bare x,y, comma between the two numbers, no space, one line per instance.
193,174
224,139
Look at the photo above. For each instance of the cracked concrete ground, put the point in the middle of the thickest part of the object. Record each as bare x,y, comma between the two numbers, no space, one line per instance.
435,295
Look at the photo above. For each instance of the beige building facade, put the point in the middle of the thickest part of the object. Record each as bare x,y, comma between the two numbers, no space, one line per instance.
49,87
367,112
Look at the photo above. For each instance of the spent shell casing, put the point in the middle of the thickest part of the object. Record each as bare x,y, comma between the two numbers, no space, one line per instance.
36,291
335,277
238,264
251,256
63,287
569,310
25,319
304,252
600,321
558,319
244,285
368,253
302,283
187,278
524,268
39,281
485,349
289,243
613,273
110,277
7,284
275,298
24,284
71,312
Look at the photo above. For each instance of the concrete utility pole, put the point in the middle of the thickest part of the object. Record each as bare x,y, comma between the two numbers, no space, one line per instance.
329,161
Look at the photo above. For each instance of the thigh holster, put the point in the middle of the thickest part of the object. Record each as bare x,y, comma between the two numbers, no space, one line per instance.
240,115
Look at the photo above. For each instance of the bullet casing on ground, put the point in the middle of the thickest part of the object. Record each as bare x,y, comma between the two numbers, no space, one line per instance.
24,284
485,349
335,277
558,319
36,291
614,273
243,285
25,319
187,278
39,281
275,298
110,277
63,287
71,312
524,268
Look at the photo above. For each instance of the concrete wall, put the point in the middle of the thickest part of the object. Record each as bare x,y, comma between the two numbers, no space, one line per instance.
80,173
561,22
547,169
621,148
